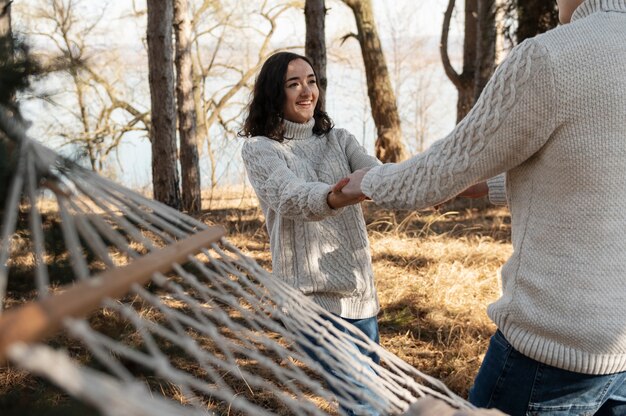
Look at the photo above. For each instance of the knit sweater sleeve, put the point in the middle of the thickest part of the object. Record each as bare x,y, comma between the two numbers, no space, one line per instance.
356,154
280,188
513,119
497,189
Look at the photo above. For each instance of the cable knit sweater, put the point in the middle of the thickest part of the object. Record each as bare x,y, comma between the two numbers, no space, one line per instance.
325,253
553,117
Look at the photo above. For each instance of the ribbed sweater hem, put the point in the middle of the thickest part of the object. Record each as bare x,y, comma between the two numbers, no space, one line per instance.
555,354
351,308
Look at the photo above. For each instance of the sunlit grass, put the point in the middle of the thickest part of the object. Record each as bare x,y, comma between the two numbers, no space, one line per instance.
436,272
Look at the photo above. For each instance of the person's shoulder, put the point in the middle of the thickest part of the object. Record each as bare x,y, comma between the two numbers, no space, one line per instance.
565,40
340,134
340,131
532,53
529,46
260,142
255,145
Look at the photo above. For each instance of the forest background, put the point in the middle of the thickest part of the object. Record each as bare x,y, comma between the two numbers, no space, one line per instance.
98,113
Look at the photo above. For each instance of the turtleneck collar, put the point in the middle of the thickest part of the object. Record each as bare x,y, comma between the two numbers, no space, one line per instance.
298,131
592,6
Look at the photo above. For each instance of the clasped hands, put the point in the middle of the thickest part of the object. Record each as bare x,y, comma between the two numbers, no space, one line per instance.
347,191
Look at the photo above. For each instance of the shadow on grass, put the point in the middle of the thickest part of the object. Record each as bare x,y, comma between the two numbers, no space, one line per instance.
433,341
246,221
41,398
485,222
405,262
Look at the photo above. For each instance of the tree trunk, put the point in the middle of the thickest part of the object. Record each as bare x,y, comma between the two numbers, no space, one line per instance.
470,59
6,35
189,167
485,45
479,45
6,47
6,145
535,17
464,82
161,79
315,44
389,147
202,128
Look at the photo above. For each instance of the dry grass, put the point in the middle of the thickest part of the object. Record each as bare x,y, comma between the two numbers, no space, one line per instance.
436,271
434,288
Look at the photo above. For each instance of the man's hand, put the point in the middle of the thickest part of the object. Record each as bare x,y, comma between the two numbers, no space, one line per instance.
338,199
475,191
353,188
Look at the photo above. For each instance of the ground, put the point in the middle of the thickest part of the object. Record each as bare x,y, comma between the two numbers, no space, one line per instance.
436,271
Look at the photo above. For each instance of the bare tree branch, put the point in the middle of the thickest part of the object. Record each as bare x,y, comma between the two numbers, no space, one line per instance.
347,36
443,46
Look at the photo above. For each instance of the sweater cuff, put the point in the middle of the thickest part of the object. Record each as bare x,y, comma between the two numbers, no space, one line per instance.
318,201
497,189
366,184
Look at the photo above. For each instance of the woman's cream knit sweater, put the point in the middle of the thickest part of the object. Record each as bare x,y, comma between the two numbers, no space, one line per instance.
324,253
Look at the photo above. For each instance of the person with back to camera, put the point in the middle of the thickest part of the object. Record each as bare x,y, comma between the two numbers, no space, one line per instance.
553,117
293,156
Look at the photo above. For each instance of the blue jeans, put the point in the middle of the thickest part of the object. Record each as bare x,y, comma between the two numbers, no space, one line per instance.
518,385
369,327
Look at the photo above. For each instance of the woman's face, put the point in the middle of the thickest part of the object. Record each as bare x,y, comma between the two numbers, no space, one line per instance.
566,9
301,92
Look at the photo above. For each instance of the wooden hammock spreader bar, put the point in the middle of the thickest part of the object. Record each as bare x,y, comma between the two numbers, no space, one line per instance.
37,320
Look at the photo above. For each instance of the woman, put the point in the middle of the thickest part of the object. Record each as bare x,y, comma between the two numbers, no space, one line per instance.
553,117
293,155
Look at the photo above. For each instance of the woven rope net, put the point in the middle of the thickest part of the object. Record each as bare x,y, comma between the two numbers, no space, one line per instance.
206,330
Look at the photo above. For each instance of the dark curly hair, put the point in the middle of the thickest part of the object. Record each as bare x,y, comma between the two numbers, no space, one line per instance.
265,111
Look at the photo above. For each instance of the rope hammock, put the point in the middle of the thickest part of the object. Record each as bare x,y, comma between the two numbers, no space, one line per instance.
153,312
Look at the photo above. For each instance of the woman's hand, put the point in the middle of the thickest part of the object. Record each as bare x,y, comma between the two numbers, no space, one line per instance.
353,188
338,199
